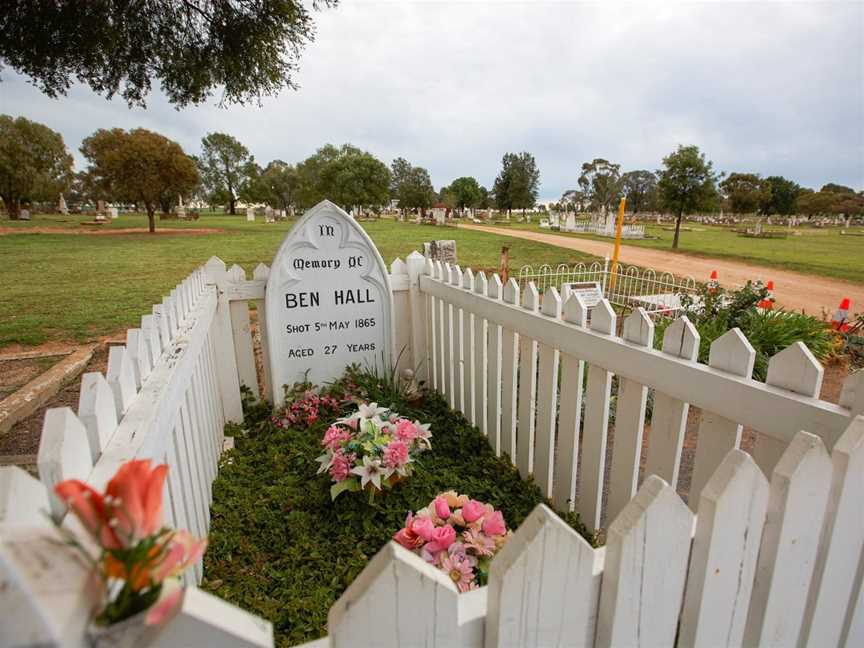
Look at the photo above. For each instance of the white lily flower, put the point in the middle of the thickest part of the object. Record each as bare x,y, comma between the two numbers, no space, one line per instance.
326,460
370,471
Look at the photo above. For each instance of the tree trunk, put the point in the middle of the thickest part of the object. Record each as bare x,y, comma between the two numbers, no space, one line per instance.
677,229
151,217
232,202
13,207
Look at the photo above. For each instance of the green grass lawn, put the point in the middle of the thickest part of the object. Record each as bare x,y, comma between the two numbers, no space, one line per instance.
823,252
78,287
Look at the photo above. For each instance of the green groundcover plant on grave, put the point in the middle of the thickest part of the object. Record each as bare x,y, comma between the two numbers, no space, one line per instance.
280,547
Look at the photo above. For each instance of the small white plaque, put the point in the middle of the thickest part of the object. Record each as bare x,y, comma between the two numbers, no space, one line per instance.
328,301
590,291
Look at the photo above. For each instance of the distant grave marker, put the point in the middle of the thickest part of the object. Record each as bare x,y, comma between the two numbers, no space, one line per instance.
443,251
590,291
328,301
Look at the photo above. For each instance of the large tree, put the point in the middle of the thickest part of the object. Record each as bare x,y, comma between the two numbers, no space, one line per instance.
138,166
346,175
833,187
277,185
640,189
784,196
746,192
226,167
466,191
601,182
518,182
415,190
575,200
244,50
687,182
34,163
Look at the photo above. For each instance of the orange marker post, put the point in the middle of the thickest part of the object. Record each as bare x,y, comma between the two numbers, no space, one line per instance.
619,227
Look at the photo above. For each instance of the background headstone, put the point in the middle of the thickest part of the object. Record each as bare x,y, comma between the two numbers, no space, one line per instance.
114,212
443,251
328,300
250,215
24,214
61,206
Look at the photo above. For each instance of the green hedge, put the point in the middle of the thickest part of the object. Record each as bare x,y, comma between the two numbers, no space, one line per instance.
281,549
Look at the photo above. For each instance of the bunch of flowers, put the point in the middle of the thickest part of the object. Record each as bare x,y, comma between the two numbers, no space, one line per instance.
371,449
307,408
137,554
458,535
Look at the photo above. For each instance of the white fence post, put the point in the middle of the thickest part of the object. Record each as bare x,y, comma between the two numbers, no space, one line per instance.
595,429
261,273
629,421
226,362
509,376
468,373
241,330
732,353
645,569
416,266
64,453
544,586
669,416
796,509
547,400
381,606
725,548
493,378
527,389
481,287
97,411
570,414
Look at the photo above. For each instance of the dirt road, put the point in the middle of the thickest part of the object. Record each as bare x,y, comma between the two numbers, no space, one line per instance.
793,290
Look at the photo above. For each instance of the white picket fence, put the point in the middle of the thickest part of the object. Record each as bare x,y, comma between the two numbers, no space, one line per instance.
759,563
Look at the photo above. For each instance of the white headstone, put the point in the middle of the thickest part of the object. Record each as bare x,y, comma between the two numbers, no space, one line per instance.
181,208
61,206
250,215
24,214
268,215
114,213
571,222
328,301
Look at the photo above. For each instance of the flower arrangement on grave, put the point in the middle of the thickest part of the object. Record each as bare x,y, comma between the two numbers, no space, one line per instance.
137,555
372,449
458,535
306,407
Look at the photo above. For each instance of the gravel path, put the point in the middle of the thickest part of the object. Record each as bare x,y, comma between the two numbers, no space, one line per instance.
793,290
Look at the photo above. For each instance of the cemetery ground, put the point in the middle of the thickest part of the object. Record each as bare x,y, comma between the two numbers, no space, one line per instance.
817,286
822,252
62,283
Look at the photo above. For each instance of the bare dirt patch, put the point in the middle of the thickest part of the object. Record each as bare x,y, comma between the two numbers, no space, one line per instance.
116,231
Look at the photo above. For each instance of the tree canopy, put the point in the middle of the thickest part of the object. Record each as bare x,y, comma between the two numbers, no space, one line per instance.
246,50
466,192
34,163
746,193
686,183
226,168
346,175
410,185
784,196
276,185
640,189
139,166
518,182
601,182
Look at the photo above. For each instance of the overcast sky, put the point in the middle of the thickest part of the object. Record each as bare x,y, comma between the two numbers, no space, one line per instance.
773,88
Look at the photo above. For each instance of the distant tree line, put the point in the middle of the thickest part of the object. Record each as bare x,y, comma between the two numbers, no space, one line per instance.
153,172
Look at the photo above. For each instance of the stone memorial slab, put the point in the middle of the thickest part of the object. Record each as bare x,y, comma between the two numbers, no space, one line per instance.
590,291
443,251
328,299
250,215
24,214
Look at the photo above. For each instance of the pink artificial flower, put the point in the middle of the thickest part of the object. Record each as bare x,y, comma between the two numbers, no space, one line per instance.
442,509
334,437
473,511
482,544
395,454
442,537
494,524
459,571
407,536
340,467
405,430
352,423
423,527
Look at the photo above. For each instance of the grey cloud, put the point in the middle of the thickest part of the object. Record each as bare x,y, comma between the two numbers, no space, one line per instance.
774,88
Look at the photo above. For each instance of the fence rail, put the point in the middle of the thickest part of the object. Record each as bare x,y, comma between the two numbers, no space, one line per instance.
628,287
